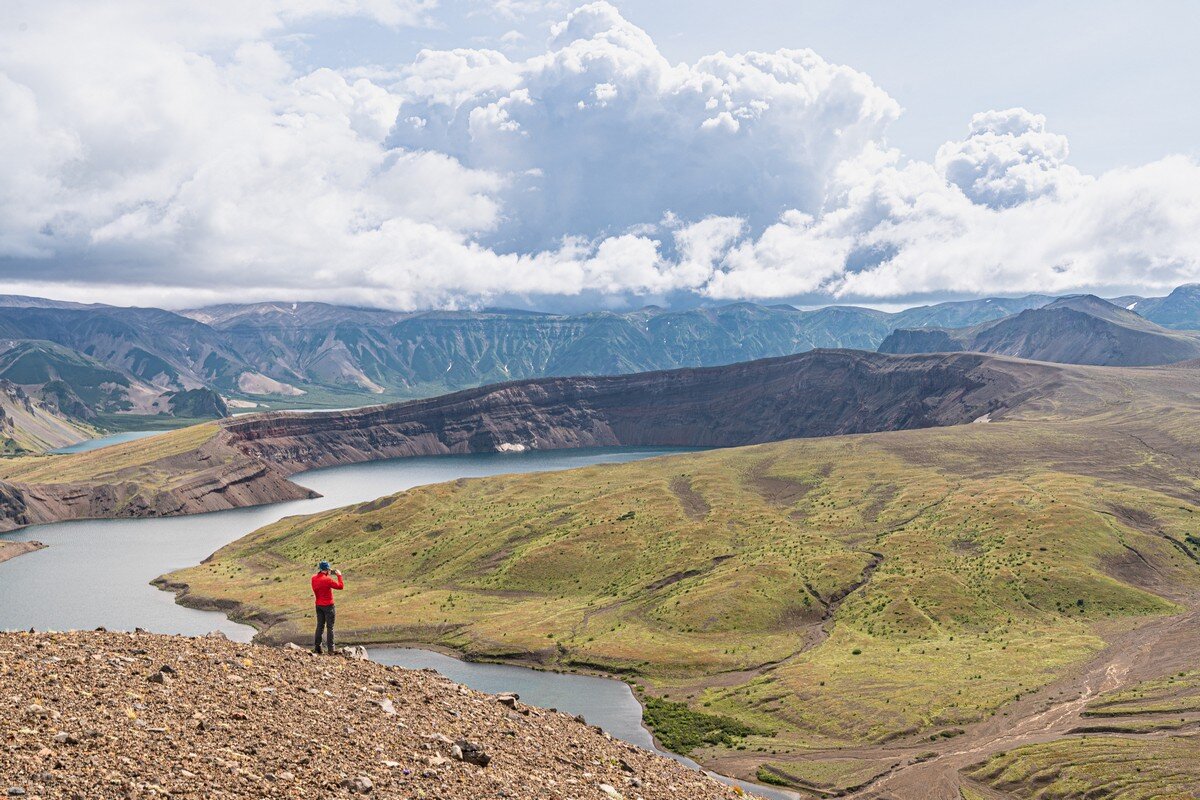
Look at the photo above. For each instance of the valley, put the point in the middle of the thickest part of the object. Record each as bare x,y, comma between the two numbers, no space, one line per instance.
874,611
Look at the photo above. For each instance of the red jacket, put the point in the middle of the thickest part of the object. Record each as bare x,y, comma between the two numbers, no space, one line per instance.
323,585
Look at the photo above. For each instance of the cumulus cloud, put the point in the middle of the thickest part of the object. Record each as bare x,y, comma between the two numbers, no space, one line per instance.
1009,158
182,156
601,133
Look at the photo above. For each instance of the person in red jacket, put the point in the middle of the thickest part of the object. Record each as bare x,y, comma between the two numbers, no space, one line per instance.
323,585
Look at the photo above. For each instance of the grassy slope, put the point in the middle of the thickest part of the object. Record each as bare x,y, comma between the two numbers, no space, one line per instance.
151,462
975,563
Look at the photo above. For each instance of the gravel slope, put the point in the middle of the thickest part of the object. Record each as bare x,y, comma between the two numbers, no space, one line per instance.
114,715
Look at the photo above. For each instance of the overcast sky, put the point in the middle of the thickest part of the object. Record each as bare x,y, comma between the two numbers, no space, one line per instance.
412,154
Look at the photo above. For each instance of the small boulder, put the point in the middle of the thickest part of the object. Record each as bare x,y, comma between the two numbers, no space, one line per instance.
357,652
360,785
385,705
609,791
471,753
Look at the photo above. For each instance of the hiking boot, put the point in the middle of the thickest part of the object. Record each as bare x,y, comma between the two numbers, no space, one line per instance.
317,650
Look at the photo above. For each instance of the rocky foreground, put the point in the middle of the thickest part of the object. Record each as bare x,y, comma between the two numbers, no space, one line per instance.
114,715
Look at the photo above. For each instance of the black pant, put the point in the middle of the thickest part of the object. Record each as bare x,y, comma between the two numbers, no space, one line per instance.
325,615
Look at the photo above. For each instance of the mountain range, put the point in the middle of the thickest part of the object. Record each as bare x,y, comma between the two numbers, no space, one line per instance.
94,362
1072,330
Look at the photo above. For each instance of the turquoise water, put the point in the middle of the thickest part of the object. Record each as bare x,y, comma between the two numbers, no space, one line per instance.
105,441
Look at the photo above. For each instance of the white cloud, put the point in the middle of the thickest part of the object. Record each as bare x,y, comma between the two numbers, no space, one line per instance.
1009,158
620,136
151,155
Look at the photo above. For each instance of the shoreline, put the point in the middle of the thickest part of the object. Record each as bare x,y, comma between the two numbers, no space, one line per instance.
262,621
11,550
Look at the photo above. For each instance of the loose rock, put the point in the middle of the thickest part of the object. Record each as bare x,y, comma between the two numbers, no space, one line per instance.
360,785
290,728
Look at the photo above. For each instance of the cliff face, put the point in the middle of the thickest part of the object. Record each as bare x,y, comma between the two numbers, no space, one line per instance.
240,486
821,393
246,460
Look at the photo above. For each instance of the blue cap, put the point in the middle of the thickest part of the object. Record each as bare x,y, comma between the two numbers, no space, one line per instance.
323,565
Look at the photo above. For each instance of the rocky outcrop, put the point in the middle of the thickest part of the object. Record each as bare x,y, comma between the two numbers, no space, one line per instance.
821,393
184,717
248,482
197,403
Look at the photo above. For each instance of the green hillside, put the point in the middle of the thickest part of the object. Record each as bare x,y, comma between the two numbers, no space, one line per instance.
842,592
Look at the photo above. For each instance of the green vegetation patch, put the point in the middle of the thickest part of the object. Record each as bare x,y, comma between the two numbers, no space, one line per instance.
834,592
682,729
147,461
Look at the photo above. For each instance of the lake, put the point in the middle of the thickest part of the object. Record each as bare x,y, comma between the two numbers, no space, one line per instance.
98,572
105,441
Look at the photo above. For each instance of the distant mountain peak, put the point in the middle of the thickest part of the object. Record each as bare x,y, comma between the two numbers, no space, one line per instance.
1077,329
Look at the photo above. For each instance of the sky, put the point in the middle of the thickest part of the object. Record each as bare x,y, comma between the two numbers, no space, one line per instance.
569,155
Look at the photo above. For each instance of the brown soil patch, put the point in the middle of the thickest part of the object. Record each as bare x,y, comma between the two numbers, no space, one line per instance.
779,491
694,504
